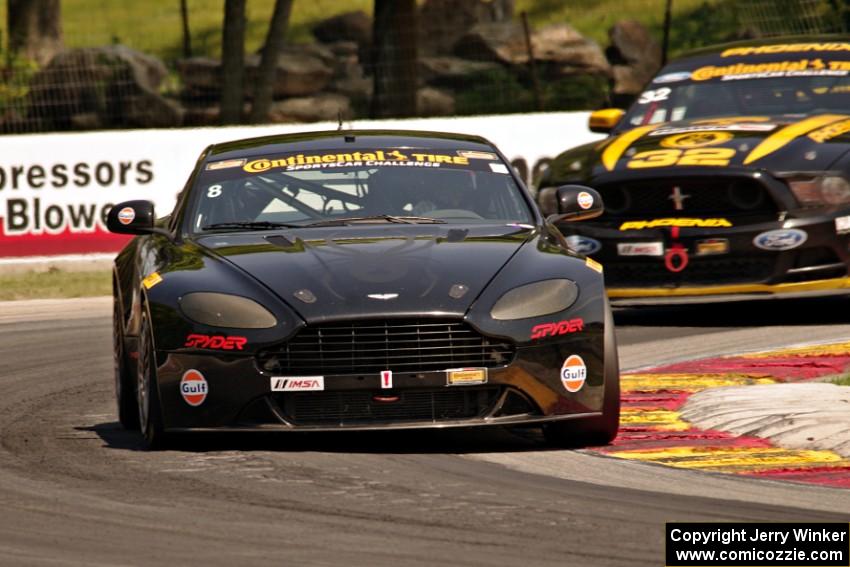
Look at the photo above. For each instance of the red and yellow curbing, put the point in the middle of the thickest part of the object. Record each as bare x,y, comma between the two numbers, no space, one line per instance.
652,430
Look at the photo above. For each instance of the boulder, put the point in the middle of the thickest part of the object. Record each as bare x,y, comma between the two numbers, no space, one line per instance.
566,49
443,22
634,55
350,26
452,72
300,72
557,46
200,76
102,87
325,107
434,102
500,42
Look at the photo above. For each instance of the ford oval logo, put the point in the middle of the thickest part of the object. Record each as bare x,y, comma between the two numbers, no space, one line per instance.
781,239
583,244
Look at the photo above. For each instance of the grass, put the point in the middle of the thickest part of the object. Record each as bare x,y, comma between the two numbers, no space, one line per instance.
154,26
593,17
54,283
842,380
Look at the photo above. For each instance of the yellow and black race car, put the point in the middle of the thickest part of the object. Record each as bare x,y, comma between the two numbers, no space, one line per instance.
726,179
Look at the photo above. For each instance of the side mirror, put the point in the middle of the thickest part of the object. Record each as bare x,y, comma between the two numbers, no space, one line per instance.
570,203
603,121
132,217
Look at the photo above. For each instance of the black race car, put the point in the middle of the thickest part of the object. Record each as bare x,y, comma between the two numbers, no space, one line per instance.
726,179
360,280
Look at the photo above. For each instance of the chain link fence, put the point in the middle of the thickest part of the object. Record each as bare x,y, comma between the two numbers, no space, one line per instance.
151,64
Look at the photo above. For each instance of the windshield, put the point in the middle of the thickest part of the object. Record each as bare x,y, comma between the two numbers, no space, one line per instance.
324,187
752,81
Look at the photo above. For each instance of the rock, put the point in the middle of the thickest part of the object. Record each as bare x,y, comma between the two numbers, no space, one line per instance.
343,49
300,72
325,107
434,102
627,80
353,84
200,76
350,26
557,46
562,45
499,42
634,55
452,71
102,87
631,43
443,22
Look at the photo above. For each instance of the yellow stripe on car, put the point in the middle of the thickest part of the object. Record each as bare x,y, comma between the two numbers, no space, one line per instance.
617,147
786,135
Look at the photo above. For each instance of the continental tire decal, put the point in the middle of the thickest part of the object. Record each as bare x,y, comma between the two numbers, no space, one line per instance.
785,136
616,148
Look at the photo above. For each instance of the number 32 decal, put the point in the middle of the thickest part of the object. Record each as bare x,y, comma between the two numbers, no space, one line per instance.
657,95
697,156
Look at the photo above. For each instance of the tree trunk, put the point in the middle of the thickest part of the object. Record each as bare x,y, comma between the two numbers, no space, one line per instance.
264,87
187,37
394,59
232,61
35,28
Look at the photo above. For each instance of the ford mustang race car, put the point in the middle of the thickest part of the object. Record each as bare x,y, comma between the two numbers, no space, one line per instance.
726,179
360,280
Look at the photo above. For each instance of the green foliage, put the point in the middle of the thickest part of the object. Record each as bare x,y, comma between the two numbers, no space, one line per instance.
502,91
14,82
494,92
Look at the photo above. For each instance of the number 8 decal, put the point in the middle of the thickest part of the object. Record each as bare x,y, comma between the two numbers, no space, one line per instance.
214,191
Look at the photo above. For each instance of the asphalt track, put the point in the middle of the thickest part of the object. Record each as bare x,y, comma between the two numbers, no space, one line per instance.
75,489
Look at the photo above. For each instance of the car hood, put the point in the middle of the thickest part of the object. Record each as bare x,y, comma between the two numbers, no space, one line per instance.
350,272
775,143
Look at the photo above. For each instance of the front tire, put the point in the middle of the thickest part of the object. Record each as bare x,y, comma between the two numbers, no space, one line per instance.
125,381
595,430
149,409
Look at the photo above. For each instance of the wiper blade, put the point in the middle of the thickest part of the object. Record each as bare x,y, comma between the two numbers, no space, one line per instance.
387,218
251,225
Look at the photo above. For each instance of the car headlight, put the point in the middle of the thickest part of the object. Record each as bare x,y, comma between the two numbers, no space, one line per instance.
535,299
225,310
821,190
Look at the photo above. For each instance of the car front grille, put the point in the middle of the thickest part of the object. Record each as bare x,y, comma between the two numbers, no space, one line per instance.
363,407
719,196
370,346
700,271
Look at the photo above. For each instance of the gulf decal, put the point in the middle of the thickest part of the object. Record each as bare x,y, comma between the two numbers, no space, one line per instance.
193,388
126,215
616,148
573,373
788,134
